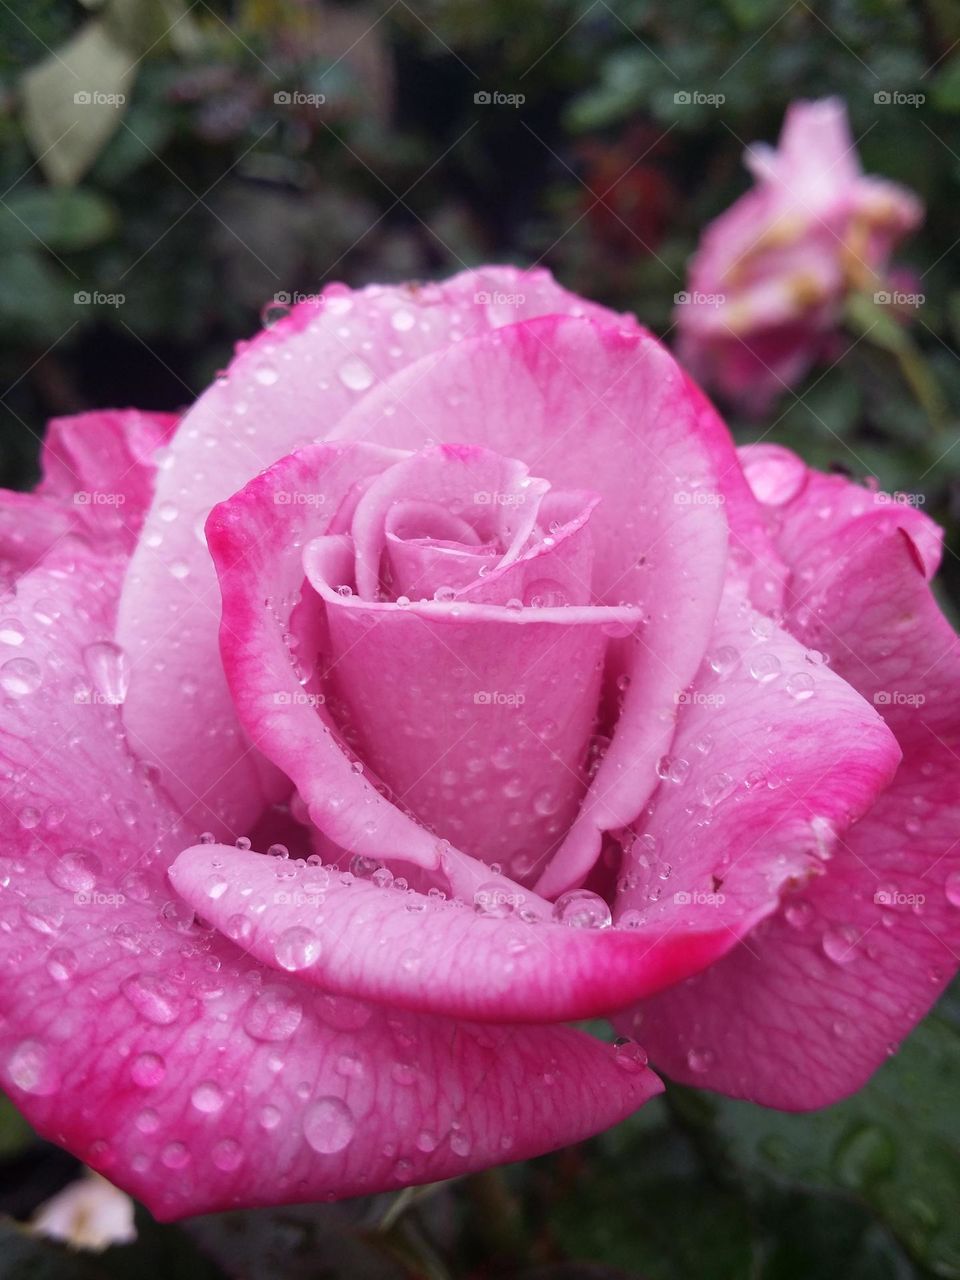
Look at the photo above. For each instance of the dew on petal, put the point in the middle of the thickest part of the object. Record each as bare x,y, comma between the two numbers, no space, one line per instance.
329,1125
581,909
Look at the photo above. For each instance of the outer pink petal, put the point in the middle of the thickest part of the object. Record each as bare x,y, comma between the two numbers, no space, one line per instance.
400,947
287,387
808,1007
772,758
104,465
98,476
168,1061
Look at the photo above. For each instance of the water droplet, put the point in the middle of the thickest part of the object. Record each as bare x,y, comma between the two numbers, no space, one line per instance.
297,948
227,1155
724,660
329,1125
545,593
20,676
239,928
175,1155
798,914
764,667
840,944
403,320
11,633
61,964
207,1097
270,1116
700,1060
266,374
495,899
153,998
951,887
109,669
581,909
356,374
801,686
30,1067
715,789
274,1014
629,1055
148,1070
76,871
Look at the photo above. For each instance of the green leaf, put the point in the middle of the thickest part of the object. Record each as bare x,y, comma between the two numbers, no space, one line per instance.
73,101
59,219
644,1204
36,297
894,1146
15,1133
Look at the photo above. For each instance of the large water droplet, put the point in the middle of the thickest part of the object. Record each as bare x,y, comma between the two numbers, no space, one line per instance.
329,1125
581,909
153,998
30,1067
148,1070
275,1014
20,676
628,1055
76,871
840,943
109,669
207,1097
297,948
356,374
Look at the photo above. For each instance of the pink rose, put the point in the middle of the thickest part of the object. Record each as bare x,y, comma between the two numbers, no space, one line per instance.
767,284
561,708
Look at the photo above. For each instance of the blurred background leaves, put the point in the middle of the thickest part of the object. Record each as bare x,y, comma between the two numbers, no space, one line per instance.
143,228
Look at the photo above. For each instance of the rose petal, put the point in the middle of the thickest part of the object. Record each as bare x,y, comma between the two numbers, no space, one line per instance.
410,951
809,1006
196,1081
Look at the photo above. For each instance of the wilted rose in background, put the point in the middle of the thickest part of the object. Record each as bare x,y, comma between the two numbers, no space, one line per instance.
561,706
767,284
